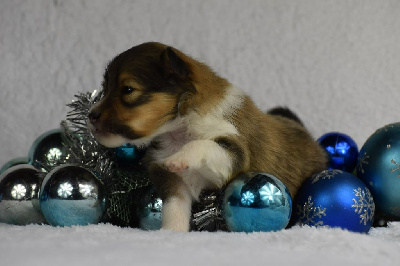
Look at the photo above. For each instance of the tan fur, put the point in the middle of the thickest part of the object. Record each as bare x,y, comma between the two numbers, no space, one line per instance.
200,130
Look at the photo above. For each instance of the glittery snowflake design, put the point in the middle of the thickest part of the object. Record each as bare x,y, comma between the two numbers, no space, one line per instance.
65,190
363,160
270,194
326,174
87,191
247,198
395,169
364,205
307,213
18,191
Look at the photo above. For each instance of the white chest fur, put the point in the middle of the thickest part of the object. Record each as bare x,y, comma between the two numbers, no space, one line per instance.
189,150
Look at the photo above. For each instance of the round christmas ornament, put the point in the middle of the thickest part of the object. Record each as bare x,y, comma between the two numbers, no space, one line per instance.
72,195
379,167
255,202
342,151
149,208
14,162
19,188
335,198
46,148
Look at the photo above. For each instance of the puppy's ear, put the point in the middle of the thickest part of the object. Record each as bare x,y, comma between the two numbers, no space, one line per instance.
174,64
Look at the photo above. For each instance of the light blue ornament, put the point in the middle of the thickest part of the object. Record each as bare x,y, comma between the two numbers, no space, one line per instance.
46,148
342,151
19,189
335,198
256,202
14,162
72,195
379,167
149,209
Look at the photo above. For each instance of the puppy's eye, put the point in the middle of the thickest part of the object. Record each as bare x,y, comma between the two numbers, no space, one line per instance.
127,90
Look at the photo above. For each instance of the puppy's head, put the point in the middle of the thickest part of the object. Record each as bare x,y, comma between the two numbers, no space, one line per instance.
143,88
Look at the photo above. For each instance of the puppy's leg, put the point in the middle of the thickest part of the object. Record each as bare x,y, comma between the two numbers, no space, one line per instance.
177,211
177,200
204,156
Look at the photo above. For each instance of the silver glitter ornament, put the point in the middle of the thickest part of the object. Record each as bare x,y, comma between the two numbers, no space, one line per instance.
19,187
72,195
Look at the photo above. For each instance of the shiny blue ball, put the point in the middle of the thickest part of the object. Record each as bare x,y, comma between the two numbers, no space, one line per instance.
19,189
256,202
335,198
379,167
72,195
342,151
46,148
149,209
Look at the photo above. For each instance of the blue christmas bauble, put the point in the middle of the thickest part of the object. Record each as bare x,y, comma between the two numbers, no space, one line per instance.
379,168
72,195
149,209
14,162
46,148
342,151
255,202
19,189
335,198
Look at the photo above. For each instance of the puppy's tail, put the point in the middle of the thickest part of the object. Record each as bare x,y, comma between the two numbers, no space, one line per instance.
285,112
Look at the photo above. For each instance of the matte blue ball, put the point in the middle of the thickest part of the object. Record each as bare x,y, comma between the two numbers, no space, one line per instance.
379,167
335,198
256,202
342,151
14,162
47,147
72,195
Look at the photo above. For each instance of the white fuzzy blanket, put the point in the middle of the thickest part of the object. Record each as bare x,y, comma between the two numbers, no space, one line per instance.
336,63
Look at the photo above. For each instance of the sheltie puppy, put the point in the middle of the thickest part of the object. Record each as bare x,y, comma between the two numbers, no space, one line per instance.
200,130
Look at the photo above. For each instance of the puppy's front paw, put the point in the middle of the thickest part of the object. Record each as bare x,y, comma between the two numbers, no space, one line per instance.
176,165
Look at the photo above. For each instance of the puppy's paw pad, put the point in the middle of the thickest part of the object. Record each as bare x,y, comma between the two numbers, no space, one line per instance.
176,166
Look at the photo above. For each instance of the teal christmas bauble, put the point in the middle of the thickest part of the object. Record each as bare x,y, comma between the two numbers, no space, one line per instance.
379,167
47,148
14,162
256,202
19,189
341,149
72,195
334,198
149,209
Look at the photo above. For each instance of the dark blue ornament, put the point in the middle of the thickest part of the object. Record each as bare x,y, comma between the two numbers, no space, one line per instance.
342,151
379,168
14,162
72,195
46,148
255,202
335,198
19,189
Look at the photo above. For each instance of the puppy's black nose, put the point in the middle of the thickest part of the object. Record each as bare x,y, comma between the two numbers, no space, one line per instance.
94,116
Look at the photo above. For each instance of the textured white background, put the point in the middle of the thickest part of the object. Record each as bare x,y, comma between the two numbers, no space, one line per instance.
335,63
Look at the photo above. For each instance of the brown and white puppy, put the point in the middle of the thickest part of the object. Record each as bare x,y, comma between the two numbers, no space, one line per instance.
200,130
